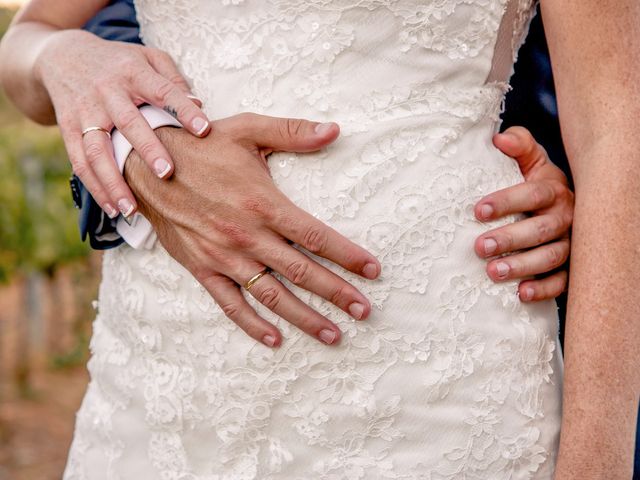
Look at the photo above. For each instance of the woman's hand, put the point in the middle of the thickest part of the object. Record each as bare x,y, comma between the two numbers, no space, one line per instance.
98,83
544,236
222,217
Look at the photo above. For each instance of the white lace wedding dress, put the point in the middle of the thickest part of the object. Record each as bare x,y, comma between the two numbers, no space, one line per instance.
451,377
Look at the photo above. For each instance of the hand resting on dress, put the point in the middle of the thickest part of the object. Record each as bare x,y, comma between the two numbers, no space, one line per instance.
98,83
222,217
544,236
225,219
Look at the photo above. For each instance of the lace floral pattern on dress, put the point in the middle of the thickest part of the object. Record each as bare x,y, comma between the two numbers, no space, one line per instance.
451,378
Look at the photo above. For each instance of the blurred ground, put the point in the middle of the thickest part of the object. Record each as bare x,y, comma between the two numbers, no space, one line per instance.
35,433
39,398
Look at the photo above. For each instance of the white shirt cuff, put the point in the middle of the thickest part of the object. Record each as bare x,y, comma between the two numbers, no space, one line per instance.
140,233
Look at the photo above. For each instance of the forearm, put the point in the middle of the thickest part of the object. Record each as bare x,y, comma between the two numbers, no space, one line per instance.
602,379
35,28
19,52
593,45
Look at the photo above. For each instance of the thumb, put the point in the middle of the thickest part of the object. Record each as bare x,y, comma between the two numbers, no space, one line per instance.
519,144
286,134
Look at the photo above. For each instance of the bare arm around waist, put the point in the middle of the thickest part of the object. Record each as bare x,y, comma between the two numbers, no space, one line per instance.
594,51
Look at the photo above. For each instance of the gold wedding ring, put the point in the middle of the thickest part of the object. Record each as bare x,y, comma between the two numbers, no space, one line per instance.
96,129
255,278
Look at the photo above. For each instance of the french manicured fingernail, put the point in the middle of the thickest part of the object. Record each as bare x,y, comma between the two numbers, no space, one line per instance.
323,128
199,125
490,246
503,269
356,310
162,167
370,271
327,336
527,294
110,211
125,207
269,340
486,211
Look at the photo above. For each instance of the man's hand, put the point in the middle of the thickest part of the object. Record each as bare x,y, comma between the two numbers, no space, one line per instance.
545,194
222,217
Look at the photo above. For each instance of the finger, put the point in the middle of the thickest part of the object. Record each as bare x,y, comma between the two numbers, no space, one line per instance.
527,233
309,275
310,233
519,144
130,122
524,197
162,93
544,289
227,295
75,149
277,298
99,155
282,134
533,262
165,66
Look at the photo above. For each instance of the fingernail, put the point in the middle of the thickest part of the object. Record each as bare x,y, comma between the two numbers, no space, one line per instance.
370,271
125,207
269,340
110,211
527,294
356,310
486,211
193,98
490,246
327,336
199,125
162,167
323,128
503,269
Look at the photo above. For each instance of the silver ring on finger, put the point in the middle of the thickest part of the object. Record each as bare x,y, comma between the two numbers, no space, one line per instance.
96,129
252,281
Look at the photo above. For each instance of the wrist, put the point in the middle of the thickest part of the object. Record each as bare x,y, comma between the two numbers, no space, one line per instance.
142,181
46,66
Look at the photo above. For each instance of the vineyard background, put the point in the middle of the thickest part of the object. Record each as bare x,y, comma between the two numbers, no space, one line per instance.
48,279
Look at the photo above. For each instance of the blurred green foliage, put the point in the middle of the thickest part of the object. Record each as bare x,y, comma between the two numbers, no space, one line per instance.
38,223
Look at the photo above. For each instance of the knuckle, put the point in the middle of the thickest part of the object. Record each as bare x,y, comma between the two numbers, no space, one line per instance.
163,91
505,241
554,257
186,109
235,235
80,169
341,295
104,85
270,297
93,151
291,127
245,117
315,239
298,272
259,205
146,149
543,230
127,119
231,310
112,185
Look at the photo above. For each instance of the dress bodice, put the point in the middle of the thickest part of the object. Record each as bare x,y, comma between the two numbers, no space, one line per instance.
346,60
451,377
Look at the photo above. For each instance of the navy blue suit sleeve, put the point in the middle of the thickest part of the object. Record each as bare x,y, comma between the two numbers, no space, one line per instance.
115,22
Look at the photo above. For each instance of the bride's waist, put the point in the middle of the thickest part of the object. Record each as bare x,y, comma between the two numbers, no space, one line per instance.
427,103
